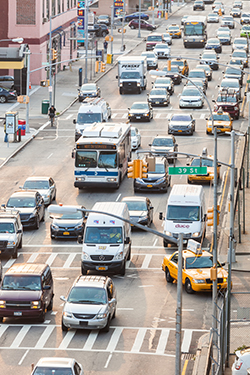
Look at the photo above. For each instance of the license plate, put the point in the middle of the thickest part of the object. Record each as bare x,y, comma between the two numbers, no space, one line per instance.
66,233
156,102
179,131
102,268
149,185
18,313
138,117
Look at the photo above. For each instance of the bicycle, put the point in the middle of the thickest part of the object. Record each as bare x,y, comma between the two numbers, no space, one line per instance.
52,119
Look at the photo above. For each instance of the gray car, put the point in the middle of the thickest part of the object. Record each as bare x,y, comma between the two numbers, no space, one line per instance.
141,210
11,233
181,124
44,185
90,304
191,97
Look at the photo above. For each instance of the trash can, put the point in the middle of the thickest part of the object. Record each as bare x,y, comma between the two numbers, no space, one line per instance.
45,106
109,58
22,126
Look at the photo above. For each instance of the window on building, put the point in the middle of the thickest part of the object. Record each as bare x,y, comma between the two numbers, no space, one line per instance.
67,4
71,4
74,3
43,13
62,5
25,15
58,6
53,7
47,9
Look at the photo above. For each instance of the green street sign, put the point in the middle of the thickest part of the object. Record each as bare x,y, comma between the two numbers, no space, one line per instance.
187,170
248,81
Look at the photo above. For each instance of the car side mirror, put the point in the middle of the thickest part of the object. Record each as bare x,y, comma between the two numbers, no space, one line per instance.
218,165
19,231
3,206
20,187
223,264
74,121
73,153
150,144
176,144
213,100
78,90
63,298
160,216
128,109
80,239
116,77
127,241
188,164
223,72
144,77
151,207
120,165
46,287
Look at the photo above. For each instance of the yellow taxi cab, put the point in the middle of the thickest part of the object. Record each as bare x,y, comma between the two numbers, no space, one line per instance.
222,121
209,163
174,30
196,268
182,63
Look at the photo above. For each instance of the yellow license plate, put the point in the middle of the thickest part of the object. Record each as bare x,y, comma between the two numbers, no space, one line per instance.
66,233
179,131
149,185
101,268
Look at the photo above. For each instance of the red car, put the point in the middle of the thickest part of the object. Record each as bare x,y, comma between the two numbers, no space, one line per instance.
134,24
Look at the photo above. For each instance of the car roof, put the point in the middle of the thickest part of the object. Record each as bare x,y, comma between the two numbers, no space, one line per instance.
188,254
133,198
26,268
34,178
92,281
55,361
24,193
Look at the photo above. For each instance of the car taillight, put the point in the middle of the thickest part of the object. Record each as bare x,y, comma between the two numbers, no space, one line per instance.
238,365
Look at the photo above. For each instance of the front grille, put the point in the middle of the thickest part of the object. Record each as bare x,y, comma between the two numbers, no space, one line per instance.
103,257
15,305
129,84
3,244
219,280
185,235
84,316
25,216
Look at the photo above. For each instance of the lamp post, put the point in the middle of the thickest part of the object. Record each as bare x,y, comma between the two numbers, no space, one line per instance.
14,40
139,28
112,28
153,13
86,38
27,91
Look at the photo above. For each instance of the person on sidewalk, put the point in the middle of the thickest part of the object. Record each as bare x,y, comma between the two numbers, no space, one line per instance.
105,46
52,113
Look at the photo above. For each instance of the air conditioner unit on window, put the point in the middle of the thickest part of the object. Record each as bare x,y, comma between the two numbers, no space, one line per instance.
45,19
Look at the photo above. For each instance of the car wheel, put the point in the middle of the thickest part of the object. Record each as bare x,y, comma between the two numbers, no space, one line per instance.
84,272
168,276
106,328
103,33
121,91
20,243
42,316
64,328
123,269
165,243
188,287
3,99
132,27
43,218
14,256
50,306
37,224
54,196
114,314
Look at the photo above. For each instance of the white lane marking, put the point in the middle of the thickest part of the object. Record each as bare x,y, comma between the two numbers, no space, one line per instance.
139,340
9,263
61,278
187,337
32,258
3,329
124,115
69,116
145,286
23,357
202,116
50,155
155,241
71,246
162,341
108,360
90,340
53,313
158,115
114,339
169,115
114,115
118,197
66,340
189,309
51,259
69,260
44,337
146,261
20,336
125,308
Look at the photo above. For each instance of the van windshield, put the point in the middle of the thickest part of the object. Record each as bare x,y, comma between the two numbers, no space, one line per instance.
11,282
104,235
183,213
88,118
52,370
130,75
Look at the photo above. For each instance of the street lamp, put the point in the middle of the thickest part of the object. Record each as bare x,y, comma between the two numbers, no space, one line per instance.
14,40
139,28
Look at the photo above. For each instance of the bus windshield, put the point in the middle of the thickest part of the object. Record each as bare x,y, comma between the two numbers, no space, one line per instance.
88,118
183,213
86,159
107,160
190,29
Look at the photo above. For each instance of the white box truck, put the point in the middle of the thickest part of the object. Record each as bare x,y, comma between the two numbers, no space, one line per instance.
132,72
185,213
107,240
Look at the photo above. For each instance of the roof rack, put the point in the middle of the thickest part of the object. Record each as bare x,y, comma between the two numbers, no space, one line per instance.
92,101
8,212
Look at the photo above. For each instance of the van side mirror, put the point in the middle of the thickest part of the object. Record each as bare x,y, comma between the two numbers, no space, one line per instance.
73,153
46,287
74,121
160,216
3,206
127,240
19,231
20,187
80,239
116,77
63,298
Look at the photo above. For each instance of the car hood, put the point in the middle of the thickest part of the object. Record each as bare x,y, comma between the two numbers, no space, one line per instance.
180,123
7,236
196,97
151,59
20,295
218,123
162,50
43,192
157,97
25,210
83,308
137,213
67,223
163,149
163,85
145,110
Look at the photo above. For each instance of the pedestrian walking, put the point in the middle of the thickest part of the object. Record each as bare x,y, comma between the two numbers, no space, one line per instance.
105,46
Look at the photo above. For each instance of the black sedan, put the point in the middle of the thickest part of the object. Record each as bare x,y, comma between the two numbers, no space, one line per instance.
136,15
90,90
159,97
140,111
69,225
215,44
6,95
141,210
99,29
157,180
173,73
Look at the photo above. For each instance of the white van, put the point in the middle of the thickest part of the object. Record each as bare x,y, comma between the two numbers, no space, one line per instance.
107,240
185,213
91,110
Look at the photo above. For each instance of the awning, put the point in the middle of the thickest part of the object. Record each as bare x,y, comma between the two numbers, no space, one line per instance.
12,64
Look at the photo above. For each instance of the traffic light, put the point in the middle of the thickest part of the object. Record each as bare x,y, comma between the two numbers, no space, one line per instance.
144,169
54,54
103,66
169,65
131,171
220,12
210,216
137,168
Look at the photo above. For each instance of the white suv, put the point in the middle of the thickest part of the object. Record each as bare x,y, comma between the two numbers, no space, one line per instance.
11,232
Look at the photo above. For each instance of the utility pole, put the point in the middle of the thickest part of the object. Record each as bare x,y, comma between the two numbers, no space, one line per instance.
139,29
153,14
112,28
50,60
248,134
86,38
179,308
27,92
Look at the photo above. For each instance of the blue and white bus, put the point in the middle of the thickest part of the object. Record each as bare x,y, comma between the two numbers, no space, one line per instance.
195,31
102,154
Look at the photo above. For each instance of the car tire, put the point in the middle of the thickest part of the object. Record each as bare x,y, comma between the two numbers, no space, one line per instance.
14,255
132,27
84,272
64,328
103,33
165,243
168,276
42,316
106,328
54,199
50,305
129,253
188,287
1,319
123,269
43,217
20,243
37,224
114,314
3,99
121,91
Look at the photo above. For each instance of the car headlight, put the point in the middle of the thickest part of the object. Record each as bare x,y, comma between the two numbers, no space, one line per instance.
119,256
138,84
85,256
45,195
120,84
168,234
235,108
79,226
144,217
146,114
224,279
101,315
80,178
11,243
196,234
161,180
2,304
54,226
67,314
200,281
35,304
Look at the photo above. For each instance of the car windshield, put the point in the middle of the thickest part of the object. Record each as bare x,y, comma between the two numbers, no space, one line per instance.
7,228
86,159
163,142
130,75
213,41
209,56
87,295
154,38
158,92
36,184
240,41
232,71
103,235
226,98
181,118
159,169
235,62
149,55
202,163
183,213
171,28
161,46
139,106
233,83
11,282
22,202
239,54
103,17
223,35
245,15
107,160
217,117
40,370
212,15
200,262
136,205
174,69
88,87
78,215
177,62
88,118
195,83
166,81
191,92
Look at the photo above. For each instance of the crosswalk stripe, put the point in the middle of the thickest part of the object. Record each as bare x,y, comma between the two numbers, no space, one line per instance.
114,115
32,258
114,339
162,341
51,259
44,337
90,340
139,340
66,340
3,329
69,260
124,115
186,341
158,115
146,261
20,336
9,263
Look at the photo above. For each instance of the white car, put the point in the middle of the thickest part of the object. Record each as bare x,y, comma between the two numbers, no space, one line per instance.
191,97
44,185
162,50
152,59
56,366
242,362
228,21
135,138
213,17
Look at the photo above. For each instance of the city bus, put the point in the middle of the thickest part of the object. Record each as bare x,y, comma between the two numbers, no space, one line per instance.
195,31
102,154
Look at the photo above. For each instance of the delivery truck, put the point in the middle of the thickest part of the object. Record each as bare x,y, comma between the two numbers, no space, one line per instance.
132,72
